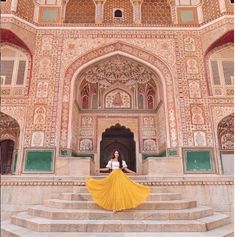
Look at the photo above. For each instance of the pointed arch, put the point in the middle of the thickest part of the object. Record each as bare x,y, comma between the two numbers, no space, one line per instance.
130,51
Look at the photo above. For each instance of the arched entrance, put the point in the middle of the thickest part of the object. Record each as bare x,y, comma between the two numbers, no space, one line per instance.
118,138
226,143
9,139
72,108
6,156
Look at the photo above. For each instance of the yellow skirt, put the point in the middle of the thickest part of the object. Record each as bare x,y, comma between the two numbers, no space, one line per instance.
117,191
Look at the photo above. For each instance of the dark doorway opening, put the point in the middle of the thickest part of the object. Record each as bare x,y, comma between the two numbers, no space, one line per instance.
6,156
121,139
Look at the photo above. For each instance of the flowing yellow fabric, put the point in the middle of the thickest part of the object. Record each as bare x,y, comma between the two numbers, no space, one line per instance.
117,191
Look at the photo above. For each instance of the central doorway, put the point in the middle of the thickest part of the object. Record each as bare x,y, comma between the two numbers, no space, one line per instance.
121,139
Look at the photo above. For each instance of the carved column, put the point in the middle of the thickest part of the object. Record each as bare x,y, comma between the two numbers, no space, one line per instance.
63,9
173,4
99,13
137,11
222,6
14,4
200,14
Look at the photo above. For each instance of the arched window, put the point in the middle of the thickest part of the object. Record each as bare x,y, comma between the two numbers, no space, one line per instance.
85,101
94,101
118,13
221,66
14,65
150,97
226,133
85,96
141,101
150,102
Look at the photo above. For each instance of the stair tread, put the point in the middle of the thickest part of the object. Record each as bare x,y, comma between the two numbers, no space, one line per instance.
87,193
42,220
82,201
215,217
23,232
54,209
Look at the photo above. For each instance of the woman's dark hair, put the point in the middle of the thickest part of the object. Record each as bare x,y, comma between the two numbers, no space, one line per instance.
119,159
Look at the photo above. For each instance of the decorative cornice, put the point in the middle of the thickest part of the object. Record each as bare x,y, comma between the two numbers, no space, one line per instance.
201,182
4,18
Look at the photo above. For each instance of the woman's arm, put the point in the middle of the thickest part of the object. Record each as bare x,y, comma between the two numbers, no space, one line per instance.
129,171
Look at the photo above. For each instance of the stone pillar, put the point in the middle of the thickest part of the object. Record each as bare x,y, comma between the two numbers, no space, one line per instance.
173,4
36,13
137,11
63,9
222,6
99,14
14,4
200,14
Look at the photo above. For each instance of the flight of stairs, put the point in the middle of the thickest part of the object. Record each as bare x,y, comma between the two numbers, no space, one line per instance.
164,214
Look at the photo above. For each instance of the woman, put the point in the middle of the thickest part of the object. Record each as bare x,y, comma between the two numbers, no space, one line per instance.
117,191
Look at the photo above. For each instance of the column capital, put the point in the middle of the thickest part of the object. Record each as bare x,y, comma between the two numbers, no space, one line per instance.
99,1
171,2
137,1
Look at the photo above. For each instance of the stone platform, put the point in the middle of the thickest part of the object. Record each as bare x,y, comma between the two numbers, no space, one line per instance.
69,210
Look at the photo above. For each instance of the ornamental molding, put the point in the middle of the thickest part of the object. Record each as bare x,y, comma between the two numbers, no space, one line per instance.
82,184
118,69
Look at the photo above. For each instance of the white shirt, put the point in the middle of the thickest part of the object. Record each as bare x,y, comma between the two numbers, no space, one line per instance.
115,165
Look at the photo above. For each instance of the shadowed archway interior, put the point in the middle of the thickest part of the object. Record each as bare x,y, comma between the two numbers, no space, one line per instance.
121,139
9,135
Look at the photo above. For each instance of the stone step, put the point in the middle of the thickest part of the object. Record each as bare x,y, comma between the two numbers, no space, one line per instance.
11,230
83,189
87,196
150,205
47,225
98,214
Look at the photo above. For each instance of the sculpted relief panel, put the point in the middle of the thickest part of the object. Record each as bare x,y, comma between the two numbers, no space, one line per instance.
197,114
194,89
86,145
117,99
42,89
45,66
189,44
118,69
118,82
192,66
37,138
75,47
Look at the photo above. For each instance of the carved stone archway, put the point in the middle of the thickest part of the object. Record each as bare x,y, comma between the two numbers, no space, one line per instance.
9,141
225,132
130,51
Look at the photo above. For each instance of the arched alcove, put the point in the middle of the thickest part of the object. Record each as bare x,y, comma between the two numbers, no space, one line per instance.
219,63
9,142
225,133
82,124
118,138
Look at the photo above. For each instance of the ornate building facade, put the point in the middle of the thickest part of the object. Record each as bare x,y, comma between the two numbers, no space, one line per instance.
153,79
160,70
166,75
